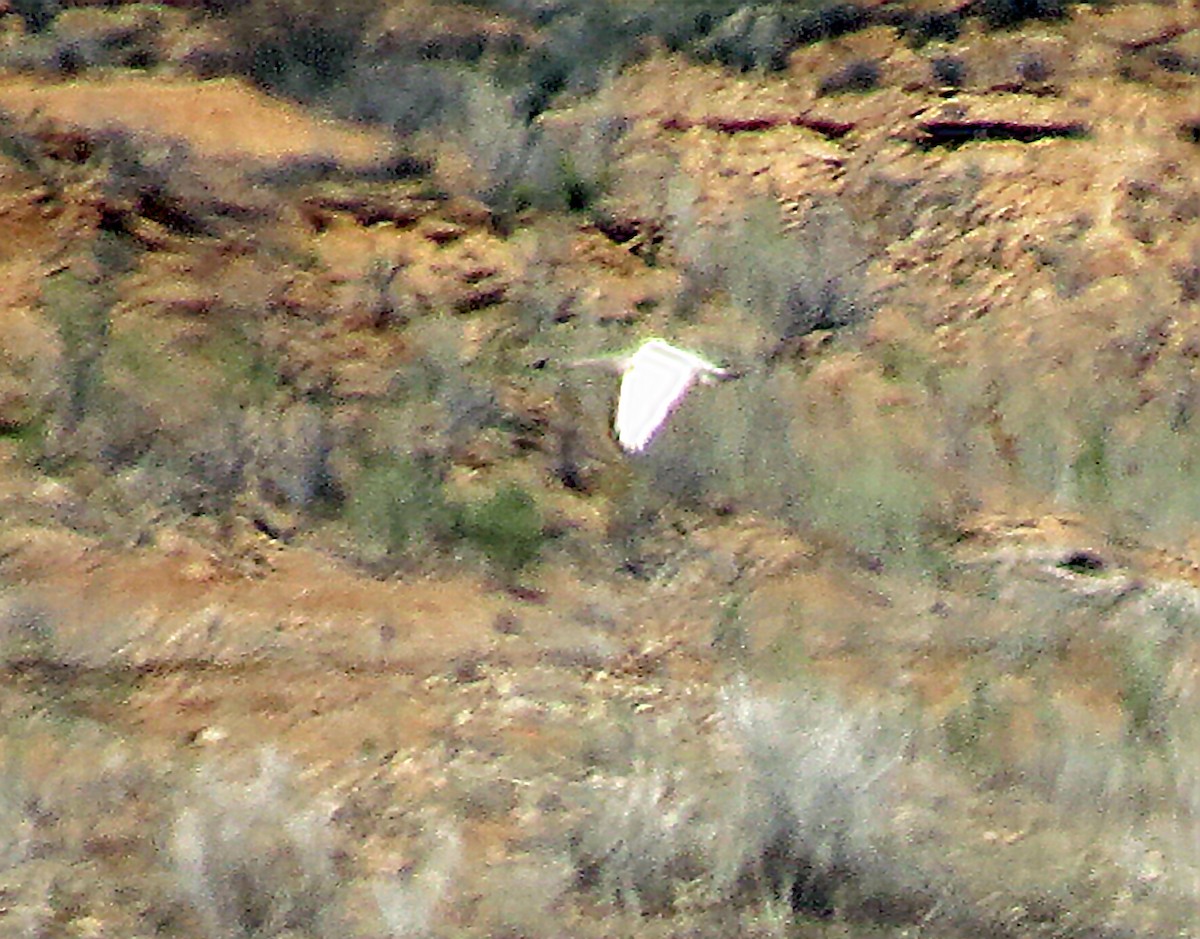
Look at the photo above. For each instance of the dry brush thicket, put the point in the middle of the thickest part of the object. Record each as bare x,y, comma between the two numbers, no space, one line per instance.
804,683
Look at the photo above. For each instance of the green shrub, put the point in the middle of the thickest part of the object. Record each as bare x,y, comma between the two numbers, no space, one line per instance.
760,35
973,731
88,417
579,44
751,38
1144,668
830,20
519,167
884,509
300,48
404,96
808,277
921,28
37,14
860,75
507,528
122,38
949,70
1135,464
80,311
1003,14
396,501
761,444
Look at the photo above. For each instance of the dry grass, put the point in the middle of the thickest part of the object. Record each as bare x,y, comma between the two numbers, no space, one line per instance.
252,857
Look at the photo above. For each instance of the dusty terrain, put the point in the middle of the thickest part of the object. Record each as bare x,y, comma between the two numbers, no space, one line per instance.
899,634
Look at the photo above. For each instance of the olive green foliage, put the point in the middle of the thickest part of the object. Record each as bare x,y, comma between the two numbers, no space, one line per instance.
1135,464
37,14
399,507
770,442
973,731
925,27
948,70
517,166
80,311
763,445
398,504
1144,699
730,636
797,279
91,417
507,528
299,48
860,75
1009,13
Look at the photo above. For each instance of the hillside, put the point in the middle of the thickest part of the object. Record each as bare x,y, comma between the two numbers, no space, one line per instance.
328,605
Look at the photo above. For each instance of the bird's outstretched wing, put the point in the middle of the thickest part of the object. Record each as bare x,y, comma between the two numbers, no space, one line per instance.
654,383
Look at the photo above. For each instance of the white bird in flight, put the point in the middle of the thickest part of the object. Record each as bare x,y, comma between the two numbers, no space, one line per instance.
655,378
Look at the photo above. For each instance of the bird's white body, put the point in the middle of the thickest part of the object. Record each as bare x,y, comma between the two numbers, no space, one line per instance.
654,380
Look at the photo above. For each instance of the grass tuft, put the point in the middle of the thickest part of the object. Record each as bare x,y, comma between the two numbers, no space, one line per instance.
815,826
407,905
252,858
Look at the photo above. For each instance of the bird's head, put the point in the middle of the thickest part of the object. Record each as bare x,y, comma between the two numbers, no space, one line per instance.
721,375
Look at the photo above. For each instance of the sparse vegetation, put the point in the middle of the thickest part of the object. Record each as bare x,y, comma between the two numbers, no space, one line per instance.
949,70
1010,13
299,48
395,502
810,276
975,731
406,97
252,859
1144,691
645,836
926,27
1034,68
81,312
753,37
517,166
291,456
859,76
268,412
37,14
26,633
506,527
408,905
793,813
